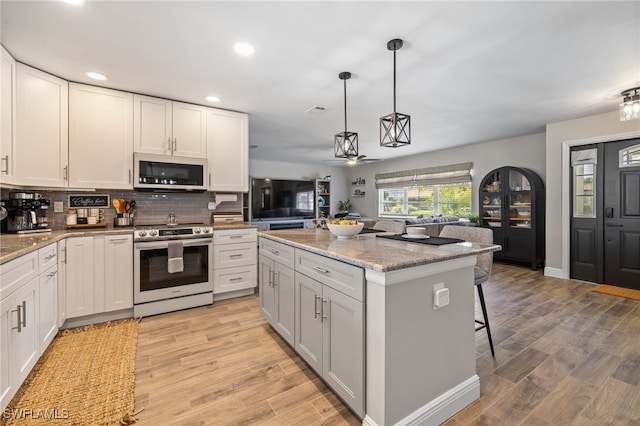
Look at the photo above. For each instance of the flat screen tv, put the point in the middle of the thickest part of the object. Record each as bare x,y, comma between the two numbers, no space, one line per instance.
280,199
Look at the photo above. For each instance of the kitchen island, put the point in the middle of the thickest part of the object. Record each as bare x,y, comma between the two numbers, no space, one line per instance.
418,360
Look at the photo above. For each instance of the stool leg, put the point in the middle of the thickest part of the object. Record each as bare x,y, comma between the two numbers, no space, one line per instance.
486,318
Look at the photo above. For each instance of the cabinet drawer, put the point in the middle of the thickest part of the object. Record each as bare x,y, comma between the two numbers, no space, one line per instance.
232,236
17,272
347,279
230,255
279,252
232,279
47,257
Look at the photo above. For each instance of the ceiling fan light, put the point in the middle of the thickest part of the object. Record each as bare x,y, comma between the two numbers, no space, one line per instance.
630,106
345,144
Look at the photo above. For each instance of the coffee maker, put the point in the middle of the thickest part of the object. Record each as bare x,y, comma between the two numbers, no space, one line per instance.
26,214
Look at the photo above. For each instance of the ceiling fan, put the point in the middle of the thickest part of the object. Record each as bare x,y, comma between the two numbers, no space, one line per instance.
356,159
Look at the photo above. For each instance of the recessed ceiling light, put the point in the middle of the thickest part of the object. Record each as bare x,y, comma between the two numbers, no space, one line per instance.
213,99
96,76
244,49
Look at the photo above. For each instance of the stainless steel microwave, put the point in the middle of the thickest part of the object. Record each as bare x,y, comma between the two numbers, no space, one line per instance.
169,173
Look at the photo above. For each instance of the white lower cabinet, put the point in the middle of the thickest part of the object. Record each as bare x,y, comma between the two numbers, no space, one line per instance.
277,297
28,315
62,282
235,255
329,334
99,274
48,295
317,305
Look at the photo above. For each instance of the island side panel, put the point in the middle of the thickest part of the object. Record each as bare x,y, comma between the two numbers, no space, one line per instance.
420,360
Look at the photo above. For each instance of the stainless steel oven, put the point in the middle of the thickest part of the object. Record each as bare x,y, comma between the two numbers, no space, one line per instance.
160,286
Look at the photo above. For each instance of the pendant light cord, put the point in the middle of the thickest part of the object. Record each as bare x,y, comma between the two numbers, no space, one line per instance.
394,83
345,105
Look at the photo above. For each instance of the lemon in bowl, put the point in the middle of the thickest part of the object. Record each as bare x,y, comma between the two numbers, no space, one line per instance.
344,229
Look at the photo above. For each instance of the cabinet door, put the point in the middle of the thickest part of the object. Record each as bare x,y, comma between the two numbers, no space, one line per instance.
80,277
233,279
152,125
231,255
48,297
267,289
7,321
42,138
100,138
343,347
285,302
62,282
118,286
189,130
8,116
308,324
228,150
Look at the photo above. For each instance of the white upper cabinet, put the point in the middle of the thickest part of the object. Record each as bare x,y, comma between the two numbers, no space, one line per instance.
166,127
228,150
100,137
8,116
42,138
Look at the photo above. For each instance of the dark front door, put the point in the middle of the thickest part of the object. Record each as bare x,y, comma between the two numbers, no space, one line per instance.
622,214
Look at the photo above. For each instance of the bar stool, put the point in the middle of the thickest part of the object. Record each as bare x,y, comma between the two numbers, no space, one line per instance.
482,270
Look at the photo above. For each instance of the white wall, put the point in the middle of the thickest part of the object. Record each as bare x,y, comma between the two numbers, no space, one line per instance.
278,170
559,137
525,151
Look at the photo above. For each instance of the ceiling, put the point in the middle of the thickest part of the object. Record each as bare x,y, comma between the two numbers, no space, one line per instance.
469,72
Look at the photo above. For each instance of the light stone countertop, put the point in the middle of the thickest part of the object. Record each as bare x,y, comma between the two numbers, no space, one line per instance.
370,252
13,246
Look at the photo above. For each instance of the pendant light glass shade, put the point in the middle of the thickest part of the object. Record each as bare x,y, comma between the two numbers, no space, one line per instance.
630,106
345,144
395,128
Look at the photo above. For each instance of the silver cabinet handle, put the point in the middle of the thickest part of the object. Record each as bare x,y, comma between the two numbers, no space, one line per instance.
315,306
319,269
51,274
209,179
169,144
236,279
274,251
276,280
24,313
19,327
129,175
116,240
64,258
6,160
233,237
51,256
324,303
270,278
175,144
66,172
235,255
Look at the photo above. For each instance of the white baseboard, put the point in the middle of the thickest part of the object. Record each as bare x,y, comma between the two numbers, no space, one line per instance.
442,408
555,273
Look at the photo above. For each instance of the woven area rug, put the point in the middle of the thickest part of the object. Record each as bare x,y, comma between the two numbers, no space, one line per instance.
617,291
85,377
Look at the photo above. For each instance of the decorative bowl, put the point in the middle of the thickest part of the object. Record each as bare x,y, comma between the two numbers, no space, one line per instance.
345,231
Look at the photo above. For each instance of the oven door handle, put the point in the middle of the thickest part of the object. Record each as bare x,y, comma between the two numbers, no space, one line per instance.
162,244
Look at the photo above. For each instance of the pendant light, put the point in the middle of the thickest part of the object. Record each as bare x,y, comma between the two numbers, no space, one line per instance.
630,106
345,143
395,128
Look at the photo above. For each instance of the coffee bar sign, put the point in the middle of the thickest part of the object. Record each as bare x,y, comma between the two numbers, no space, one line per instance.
88,201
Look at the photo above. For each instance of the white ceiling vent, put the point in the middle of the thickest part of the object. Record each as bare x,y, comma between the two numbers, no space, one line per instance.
316,109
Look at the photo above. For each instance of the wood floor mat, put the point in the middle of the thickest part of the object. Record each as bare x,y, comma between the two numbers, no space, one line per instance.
617,291
85,377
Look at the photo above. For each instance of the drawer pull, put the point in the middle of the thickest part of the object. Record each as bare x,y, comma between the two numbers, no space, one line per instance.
319,269
51,256
51,274
19,327
236,279
274,251
236,255
233,236
324,304
270,278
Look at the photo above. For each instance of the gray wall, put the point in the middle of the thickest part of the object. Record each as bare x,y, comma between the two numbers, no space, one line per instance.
592,129
526,151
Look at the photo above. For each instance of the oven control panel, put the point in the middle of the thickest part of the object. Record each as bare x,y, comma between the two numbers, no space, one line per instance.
172,233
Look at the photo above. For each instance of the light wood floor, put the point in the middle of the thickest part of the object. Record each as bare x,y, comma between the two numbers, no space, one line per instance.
564,355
